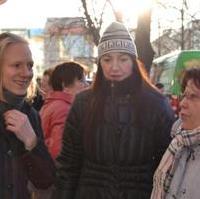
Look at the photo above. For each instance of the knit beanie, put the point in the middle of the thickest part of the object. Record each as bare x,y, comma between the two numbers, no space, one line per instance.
116,38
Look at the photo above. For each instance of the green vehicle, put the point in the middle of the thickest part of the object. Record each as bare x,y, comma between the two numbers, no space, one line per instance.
168,69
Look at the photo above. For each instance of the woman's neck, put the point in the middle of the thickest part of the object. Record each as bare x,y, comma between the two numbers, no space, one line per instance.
16,101
124,87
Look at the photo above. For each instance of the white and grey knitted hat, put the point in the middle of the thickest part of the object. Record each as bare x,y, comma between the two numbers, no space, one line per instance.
116,38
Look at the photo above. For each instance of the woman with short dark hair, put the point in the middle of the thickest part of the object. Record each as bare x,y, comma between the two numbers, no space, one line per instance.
66,81
177,175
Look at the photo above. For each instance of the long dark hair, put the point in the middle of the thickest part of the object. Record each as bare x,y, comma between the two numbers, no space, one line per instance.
95,109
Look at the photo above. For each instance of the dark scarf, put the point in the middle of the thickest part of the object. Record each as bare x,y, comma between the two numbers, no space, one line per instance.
9,139
15,101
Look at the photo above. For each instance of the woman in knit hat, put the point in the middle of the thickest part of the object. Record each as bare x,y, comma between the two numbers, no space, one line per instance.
116,131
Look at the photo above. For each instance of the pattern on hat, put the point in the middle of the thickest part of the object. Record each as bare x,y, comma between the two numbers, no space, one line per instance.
116,38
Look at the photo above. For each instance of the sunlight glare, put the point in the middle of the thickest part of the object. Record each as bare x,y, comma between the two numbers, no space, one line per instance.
144,5
131,9
132,6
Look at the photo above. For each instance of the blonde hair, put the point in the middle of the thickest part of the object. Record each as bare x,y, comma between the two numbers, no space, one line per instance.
31,91
7,39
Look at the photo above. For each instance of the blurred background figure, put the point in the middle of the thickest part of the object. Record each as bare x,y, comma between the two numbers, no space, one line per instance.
45,85
175,104
24,158
66,81
160,87
173,99
42,89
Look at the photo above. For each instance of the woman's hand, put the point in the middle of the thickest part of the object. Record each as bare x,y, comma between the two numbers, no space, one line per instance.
18,123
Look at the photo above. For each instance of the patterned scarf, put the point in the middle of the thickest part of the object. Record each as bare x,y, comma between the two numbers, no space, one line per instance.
166,169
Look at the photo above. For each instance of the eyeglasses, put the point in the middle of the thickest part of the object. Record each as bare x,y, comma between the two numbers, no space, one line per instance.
190,96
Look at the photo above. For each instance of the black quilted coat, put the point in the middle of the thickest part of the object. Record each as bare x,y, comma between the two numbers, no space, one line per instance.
18,166
118,159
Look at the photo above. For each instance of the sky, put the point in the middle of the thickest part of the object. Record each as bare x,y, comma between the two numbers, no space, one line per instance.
33,13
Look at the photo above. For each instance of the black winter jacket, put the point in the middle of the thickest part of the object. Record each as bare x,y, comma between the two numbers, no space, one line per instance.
119,160
18,166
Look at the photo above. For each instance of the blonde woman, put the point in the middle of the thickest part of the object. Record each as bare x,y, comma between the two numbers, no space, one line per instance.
23,155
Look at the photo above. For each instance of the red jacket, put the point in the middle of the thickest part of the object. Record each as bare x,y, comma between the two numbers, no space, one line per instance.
53,115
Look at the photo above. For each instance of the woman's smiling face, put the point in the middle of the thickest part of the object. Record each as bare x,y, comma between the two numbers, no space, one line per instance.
17,68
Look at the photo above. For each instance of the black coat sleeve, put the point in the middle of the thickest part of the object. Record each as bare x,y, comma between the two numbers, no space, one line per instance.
69,162
165,119
38,162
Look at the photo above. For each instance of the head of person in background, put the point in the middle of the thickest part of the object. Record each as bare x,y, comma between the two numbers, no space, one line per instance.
44,83
160,87
68,77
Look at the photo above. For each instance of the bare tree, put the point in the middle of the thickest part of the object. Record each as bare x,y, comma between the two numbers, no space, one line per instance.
142,39
181,37
118,15
145,51
93,22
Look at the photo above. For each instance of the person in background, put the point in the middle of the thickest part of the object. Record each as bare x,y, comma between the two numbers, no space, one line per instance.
66,82
173,99
45,85
160,87
175,104
24,158
42,89
117,131
37,100
177,175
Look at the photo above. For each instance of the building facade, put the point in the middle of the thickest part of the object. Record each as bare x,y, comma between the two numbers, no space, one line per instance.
67,39
172,40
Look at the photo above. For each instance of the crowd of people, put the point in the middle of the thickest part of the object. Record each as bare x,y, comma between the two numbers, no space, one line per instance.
118,138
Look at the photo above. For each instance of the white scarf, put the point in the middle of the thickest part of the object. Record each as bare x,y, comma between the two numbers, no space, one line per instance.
166,169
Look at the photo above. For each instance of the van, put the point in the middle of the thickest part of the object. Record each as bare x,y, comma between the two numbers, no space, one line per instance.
168,69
